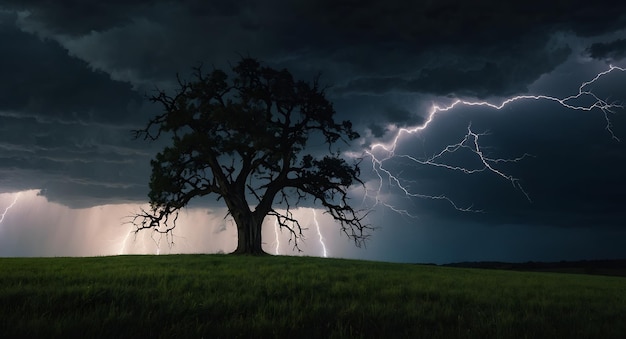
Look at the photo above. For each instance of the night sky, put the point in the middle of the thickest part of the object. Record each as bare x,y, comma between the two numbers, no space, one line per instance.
546,182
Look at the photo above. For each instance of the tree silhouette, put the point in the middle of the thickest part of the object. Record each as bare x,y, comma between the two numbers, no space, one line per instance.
242,138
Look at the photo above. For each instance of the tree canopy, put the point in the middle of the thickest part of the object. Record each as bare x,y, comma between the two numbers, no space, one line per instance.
243,138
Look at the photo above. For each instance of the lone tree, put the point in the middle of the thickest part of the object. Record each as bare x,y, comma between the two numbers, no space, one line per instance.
245,138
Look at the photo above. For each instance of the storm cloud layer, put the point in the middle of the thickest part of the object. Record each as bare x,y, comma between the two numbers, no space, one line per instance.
75,75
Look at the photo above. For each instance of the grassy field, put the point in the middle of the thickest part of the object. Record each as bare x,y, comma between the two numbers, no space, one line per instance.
212,296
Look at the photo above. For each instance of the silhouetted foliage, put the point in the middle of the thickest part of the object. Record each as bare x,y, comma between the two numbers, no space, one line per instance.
244,137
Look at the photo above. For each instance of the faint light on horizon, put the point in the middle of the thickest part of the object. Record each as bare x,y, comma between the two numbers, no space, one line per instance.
33,226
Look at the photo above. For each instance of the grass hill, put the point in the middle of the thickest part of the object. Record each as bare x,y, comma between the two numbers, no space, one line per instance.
220,296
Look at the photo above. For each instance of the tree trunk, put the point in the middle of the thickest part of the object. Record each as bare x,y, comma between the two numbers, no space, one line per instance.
248,234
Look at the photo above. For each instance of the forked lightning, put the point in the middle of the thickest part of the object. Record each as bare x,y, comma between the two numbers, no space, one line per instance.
6,210
381,152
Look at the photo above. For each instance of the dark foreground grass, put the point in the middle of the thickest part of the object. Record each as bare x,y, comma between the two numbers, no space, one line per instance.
211,296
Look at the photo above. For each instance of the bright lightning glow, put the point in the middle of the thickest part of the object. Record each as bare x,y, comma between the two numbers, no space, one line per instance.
124,243
381,152
6,210
319,233
157,242
277,241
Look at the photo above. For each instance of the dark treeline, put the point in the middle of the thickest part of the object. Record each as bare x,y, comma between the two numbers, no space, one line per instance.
596,267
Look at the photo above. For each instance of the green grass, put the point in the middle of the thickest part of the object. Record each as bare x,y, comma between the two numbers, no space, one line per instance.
211,296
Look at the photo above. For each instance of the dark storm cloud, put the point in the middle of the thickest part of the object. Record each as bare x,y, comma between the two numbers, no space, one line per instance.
82,17
481,81
483,48
89,62
459,22
46,81
74,74
77,17
65,126
612,51
395,115
477,48
147,43
78,165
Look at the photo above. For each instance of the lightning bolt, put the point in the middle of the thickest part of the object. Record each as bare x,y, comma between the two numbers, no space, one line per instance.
6,210
157,242
319,233
121,251
277,241
381,152
131,234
